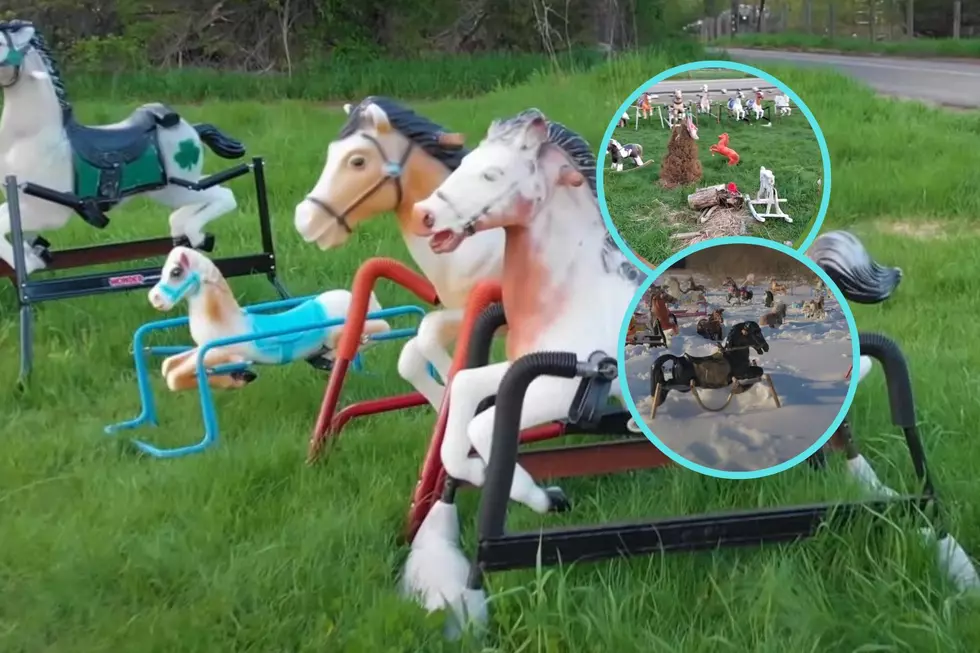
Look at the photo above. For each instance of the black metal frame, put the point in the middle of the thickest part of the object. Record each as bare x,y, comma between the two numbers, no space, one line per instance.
498,550
31,292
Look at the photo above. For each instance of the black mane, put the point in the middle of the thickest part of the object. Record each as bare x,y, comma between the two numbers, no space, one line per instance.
41,47
418,129
577,148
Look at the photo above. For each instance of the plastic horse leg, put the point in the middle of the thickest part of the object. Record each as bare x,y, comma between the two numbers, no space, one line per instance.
181,375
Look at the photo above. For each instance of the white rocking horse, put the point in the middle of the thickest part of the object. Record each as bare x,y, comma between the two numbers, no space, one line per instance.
566,287
767,197
41,142
735,107
214,314
619,153
781,102
755,104
704,103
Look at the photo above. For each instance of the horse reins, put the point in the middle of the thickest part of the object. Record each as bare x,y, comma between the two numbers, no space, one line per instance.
469,224
392,172
14,59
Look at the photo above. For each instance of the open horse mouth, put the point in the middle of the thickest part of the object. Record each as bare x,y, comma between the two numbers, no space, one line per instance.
445,241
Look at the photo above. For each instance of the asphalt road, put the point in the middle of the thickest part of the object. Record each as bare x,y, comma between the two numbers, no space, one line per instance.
939,81
692,87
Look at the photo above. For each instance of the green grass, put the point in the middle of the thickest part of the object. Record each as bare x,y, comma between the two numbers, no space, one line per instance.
921,47
646,214
246,549
344,79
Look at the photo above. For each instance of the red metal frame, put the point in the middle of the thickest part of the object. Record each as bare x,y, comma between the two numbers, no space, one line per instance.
329,421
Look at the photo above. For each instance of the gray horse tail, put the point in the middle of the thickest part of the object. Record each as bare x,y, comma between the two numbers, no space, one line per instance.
221,144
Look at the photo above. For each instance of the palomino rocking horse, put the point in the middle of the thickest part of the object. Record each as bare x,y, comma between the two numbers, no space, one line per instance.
230,340
385,159
729,368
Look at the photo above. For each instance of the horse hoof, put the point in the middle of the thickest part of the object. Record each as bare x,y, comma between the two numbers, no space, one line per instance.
559,502
245,376
207,245
39,246
321,362
181,241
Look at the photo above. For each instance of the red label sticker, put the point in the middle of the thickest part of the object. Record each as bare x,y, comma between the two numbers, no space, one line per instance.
126,280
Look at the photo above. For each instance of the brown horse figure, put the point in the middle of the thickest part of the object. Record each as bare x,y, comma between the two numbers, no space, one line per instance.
658,308
387,158
713,326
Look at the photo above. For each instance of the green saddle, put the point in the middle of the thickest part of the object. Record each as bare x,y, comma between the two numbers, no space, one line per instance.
113,161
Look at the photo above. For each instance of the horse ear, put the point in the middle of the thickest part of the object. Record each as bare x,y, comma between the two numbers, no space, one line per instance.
184,261
374,116
536,132
348,107
21,37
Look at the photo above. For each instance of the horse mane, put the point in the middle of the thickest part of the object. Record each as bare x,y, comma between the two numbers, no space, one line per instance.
416,128
40,46
580,152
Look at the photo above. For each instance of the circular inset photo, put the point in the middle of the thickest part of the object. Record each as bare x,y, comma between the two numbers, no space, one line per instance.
708,151
738,358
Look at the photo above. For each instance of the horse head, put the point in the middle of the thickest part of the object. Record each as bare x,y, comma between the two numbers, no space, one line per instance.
365,171
692,129
19,53
747,334
183,275
504,182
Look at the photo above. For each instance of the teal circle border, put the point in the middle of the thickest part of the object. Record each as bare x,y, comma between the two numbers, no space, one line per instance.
698,65
855,358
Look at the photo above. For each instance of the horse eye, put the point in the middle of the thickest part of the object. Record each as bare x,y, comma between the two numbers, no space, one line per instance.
176,272
357,161
493,174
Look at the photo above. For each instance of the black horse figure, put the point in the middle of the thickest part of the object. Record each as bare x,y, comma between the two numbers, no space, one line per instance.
736,292
769,299
730,367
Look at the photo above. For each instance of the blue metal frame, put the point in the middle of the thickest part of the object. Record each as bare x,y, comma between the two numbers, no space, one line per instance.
148,409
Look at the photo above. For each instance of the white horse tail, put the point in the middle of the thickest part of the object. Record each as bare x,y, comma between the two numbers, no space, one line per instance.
639,150
218,142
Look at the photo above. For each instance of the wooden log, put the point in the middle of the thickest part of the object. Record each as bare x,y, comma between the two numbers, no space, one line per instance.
704,198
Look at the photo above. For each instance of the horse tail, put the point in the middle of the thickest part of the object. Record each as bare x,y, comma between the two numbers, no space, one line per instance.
221,144
639,150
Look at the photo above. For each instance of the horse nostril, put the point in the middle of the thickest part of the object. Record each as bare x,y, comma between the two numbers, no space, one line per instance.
428,220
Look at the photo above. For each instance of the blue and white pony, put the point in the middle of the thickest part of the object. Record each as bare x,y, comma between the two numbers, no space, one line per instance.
214,313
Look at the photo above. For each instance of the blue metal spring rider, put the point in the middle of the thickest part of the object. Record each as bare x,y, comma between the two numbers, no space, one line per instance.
230,339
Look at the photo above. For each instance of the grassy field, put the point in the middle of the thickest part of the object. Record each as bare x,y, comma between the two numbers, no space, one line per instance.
646,214
245,549
921,47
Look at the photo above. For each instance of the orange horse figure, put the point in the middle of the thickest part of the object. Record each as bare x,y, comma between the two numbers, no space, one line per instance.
721,147
658,307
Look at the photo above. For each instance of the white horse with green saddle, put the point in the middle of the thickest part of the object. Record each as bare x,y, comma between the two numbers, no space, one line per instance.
153,152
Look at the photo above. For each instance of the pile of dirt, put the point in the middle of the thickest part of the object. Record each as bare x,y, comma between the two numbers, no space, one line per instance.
681,166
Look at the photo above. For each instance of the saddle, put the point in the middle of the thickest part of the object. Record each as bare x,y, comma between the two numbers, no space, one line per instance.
711,371
108,146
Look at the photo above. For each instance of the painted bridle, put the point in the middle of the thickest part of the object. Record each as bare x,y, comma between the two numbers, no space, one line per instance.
393,170
188,285
14,58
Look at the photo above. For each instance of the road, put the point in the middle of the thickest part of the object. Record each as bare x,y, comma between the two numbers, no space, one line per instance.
938,81
691,87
